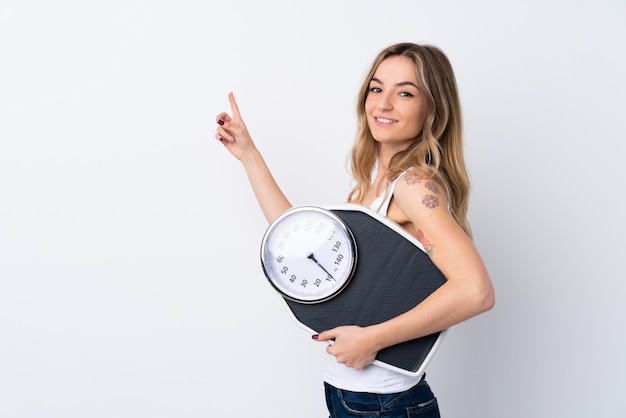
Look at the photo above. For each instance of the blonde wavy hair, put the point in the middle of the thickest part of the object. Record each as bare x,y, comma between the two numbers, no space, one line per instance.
438,149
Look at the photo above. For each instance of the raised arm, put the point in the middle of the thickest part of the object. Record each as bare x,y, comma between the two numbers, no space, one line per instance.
233,134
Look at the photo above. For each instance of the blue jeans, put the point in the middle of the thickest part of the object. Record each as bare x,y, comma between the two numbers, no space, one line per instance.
418,401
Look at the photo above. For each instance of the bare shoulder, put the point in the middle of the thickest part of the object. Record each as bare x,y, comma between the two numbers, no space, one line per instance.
417,190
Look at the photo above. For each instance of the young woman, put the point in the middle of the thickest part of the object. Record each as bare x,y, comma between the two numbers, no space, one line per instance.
407,164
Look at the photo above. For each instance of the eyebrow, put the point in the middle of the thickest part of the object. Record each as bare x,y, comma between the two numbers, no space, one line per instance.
404,83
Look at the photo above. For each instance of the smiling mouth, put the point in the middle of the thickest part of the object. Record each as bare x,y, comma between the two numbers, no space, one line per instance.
385,120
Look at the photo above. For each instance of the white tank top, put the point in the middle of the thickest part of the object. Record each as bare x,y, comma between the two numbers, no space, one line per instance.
373,378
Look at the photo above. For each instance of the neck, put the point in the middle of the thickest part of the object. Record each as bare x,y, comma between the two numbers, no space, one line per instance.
386,153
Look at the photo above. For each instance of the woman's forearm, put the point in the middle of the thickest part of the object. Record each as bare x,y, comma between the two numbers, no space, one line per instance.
269,195
451,304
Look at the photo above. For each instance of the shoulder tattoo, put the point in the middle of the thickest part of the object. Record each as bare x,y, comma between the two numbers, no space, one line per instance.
430,201
412,178
432,186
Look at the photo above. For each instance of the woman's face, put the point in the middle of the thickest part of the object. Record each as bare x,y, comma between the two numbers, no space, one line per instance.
395,106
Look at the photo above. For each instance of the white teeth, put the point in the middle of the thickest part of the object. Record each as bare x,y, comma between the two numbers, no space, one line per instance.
383,120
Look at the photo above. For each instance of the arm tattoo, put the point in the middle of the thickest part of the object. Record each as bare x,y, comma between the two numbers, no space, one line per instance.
430,185
412,178
430,201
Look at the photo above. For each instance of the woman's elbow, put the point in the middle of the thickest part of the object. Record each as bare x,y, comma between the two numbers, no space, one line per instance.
485,298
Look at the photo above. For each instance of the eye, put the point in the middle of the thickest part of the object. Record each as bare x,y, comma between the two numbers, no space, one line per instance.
375,89
406,94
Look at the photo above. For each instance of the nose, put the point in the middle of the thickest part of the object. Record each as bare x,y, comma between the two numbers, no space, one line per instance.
384,101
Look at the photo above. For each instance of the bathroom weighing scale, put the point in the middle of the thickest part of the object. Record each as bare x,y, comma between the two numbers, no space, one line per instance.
348,265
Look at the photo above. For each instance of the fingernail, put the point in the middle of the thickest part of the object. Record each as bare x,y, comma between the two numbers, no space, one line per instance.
220,122
315,336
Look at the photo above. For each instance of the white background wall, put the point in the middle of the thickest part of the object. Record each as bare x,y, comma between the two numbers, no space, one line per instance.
130,284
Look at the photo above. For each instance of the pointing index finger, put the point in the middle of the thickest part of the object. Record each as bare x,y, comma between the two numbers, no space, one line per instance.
233,105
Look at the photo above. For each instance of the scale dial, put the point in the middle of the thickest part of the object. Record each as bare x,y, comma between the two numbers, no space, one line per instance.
308,254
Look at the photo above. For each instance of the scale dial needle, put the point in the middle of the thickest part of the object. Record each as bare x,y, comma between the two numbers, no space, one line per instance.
311,256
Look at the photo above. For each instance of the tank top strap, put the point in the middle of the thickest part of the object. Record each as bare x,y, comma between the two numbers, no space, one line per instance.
381,204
